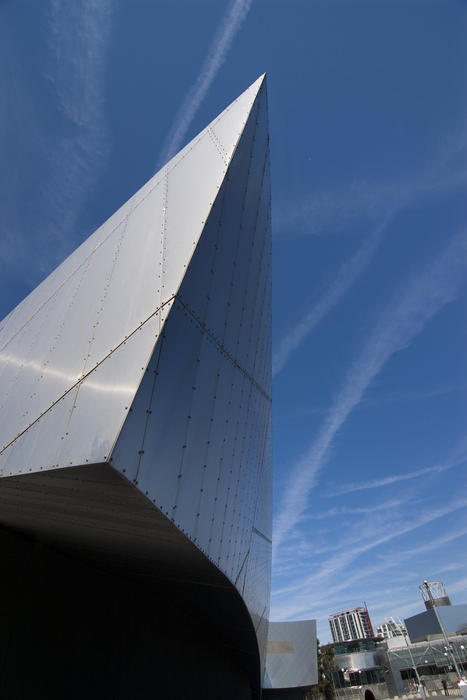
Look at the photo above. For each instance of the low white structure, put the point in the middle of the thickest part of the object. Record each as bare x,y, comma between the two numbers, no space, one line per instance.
391,629
291,658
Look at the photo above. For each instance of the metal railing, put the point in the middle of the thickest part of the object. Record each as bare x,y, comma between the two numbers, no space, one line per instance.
434,686
379,690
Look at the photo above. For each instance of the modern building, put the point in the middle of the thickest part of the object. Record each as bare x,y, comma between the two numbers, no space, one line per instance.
393,667
429,660
135,447
360,663
433,651
351,624
391,629
427,625
391,664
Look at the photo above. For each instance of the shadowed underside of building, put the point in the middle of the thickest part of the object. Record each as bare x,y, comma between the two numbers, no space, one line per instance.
135,503
73,630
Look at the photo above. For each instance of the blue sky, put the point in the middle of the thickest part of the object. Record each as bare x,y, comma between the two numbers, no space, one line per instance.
368,120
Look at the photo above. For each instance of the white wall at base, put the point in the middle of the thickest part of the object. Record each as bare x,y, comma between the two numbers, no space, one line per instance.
291,658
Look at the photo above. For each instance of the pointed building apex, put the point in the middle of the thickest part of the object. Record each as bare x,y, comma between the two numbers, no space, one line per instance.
107,303
230,121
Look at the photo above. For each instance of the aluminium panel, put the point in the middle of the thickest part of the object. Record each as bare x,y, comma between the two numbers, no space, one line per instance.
201,454
52,285
220,446
116,280
81,426
162,452
263,511
230,231
241,303
229,126
45,360
26,373
137,350
104,398
256,586
192,508
222,237
130,291
32,452
192,186
257,293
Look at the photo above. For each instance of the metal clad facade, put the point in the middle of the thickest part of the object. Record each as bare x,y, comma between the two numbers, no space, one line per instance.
424,625
149,349
95,305
197,438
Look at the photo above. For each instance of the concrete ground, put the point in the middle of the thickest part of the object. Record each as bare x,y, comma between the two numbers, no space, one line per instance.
452,694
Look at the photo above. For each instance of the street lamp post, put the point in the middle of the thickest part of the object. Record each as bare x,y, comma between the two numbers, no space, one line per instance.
414,666
448,647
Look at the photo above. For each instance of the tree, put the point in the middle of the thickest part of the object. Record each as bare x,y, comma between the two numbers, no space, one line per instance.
326,665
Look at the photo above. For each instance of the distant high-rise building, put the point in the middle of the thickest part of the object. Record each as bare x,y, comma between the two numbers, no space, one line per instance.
390,629
351,624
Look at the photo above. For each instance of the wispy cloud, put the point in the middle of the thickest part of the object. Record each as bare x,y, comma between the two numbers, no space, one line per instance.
330,573
325,212
370,402
346,276
403,397
327,581
340,489
457,457
67,140
459,586
360,510
441,570
78,39
374,204
413,305
308,548
431,545
214,60
66,134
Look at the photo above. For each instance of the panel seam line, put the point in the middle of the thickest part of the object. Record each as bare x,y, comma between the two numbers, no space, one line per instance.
222,347
85,376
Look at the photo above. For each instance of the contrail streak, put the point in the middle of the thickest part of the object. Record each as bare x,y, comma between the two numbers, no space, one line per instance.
405,317
215,58
79,36
347,275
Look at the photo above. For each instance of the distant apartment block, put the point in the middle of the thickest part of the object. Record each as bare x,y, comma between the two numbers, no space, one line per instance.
390,629
351,624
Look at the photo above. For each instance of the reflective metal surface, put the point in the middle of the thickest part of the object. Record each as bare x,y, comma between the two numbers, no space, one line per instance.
120,279
197,439
149,349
